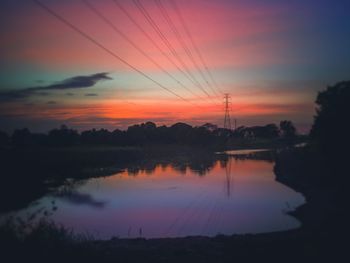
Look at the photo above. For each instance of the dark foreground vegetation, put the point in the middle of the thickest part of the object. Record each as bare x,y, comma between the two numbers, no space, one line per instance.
50,243
319,171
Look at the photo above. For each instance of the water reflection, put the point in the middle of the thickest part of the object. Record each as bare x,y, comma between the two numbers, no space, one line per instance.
200,166
228,177
76,198
170,199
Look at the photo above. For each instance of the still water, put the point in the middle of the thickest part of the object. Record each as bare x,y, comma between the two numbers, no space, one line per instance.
231,197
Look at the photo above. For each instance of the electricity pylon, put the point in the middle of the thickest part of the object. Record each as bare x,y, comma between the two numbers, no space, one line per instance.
227,119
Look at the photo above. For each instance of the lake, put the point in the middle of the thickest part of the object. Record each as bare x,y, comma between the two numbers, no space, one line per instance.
231,196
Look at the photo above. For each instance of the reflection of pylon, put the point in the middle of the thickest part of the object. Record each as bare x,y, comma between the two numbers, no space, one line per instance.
227,120
228,178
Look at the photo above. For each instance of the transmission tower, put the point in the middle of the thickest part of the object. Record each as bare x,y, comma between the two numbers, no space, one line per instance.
227,119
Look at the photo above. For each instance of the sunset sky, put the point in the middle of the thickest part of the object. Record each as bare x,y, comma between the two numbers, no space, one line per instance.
271,56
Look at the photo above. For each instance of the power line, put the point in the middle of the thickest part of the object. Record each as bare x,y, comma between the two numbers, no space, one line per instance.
94,41
154,25
150,38
182,20
182,42
112,25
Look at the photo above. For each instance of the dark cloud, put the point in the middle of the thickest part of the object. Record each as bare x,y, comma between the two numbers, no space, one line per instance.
51,102
13,95
69,94
91,94
77,82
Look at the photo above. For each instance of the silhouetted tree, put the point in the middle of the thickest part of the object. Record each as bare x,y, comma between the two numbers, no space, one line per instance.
288,130
22,138
180,133
163,134
135,135
207,135
4,139
40,139
269,131
118,137
63,136
94,136
239,132
210,127
331,129
201,136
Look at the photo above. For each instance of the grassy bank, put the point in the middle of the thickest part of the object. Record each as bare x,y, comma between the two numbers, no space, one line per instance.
51,243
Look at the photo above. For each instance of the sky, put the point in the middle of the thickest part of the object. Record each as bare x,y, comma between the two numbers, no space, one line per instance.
114,63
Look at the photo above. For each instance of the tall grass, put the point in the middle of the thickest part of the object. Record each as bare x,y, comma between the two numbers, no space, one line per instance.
42,241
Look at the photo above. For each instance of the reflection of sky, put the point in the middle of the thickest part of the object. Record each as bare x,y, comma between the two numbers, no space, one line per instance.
272,56
168,203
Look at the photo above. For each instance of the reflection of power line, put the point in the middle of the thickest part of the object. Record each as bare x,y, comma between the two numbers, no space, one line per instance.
211,217
196,212
217,208
184,213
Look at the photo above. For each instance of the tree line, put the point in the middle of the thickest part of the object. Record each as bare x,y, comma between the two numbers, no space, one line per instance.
147,133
